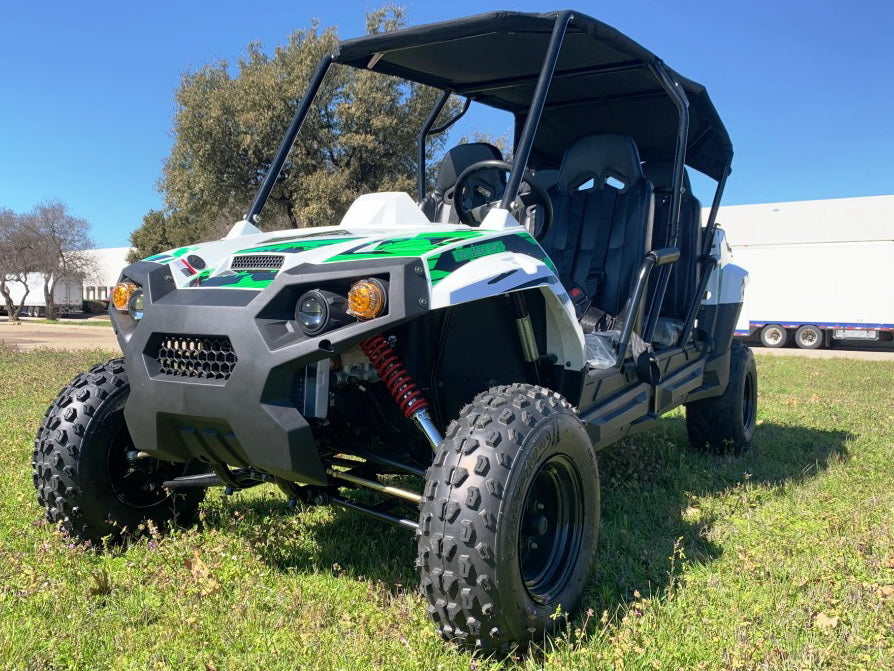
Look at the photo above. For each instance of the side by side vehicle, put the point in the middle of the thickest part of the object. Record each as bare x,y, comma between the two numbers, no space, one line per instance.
483,340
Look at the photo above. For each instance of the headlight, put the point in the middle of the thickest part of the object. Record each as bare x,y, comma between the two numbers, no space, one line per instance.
320,310
135,304
367,298
121,294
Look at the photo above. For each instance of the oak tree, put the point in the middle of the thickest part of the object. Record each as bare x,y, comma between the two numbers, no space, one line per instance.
360,136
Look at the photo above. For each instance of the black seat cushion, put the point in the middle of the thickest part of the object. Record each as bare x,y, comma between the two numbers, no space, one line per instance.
683,281
603,217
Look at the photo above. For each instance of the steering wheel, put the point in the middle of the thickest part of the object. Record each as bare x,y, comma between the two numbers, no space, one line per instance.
534,195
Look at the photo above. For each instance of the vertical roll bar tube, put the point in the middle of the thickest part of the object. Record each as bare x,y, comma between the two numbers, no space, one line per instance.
706,263
526,140
254,212
423,135
675,91
715,204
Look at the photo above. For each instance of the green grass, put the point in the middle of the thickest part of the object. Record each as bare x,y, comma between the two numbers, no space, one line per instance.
780,559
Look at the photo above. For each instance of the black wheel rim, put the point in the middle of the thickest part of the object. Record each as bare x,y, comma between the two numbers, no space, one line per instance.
551,529
136,481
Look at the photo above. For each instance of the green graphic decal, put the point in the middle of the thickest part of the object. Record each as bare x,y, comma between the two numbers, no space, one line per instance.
199,278
171,254
295,246
245,279
416,245
441,265
477,251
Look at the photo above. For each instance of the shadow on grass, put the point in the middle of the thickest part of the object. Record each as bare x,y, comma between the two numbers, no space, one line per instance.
651,484
323,539
650,521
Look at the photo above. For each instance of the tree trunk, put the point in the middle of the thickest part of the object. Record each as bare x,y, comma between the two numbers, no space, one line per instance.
49,284
12,310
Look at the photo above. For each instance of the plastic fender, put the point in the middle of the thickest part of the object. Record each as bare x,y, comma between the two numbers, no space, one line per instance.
501,273
727,282
489,276
564,337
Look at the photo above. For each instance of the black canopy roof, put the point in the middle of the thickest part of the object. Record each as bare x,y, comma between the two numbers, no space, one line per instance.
603,82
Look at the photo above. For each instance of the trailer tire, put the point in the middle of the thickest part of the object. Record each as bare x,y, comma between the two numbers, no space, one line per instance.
87,473
509,519
774,335
725,424
809,336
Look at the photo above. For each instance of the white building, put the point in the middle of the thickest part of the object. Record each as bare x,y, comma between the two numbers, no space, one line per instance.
107,263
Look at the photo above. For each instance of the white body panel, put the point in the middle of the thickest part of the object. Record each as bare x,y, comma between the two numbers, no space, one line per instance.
394,209
378,217
728,280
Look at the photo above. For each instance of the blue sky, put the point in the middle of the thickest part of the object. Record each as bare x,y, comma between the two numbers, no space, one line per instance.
806,88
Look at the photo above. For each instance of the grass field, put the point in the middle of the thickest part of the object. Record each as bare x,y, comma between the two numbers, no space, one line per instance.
780,559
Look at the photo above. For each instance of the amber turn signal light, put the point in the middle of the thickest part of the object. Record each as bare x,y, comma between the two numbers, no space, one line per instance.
367,299
121,294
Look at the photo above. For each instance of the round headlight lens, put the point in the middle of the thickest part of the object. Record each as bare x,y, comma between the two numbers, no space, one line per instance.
367,299
121,294
135,305
312,312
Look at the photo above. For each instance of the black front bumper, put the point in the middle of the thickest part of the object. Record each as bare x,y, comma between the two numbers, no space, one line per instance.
213,371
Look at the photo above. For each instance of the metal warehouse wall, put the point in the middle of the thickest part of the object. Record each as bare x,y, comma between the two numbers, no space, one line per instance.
808,221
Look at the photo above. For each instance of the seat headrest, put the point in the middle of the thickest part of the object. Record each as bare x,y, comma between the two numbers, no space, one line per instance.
461,157
661,174
546,178
599,157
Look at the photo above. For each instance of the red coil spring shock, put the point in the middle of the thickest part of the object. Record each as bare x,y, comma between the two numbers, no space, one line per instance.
399,382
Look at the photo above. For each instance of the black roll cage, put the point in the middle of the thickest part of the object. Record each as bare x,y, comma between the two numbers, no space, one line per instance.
669,82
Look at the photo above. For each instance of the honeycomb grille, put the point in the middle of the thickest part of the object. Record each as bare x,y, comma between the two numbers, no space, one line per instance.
202,357
257,262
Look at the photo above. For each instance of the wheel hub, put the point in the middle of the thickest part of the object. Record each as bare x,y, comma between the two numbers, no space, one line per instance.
538,525
551,528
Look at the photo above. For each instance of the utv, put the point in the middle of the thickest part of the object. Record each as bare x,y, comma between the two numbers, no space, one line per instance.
484,342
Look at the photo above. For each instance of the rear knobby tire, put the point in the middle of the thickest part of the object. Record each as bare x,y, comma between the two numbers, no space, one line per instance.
725,424
509,519
88,475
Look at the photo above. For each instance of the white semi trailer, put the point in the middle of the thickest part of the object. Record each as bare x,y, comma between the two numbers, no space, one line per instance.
67,296
820,271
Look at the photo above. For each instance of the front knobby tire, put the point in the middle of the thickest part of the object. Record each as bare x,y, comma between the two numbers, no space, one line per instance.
509,519
725,424
88,475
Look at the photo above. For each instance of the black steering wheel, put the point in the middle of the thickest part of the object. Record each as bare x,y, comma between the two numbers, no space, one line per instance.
532,196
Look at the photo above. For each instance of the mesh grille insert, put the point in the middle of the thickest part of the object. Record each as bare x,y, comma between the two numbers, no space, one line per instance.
203,357
257,262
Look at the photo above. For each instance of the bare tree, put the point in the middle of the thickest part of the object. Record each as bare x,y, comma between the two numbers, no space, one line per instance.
60,254
19,247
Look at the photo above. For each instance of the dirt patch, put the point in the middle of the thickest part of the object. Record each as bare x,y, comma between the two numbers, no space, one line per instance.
27,336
